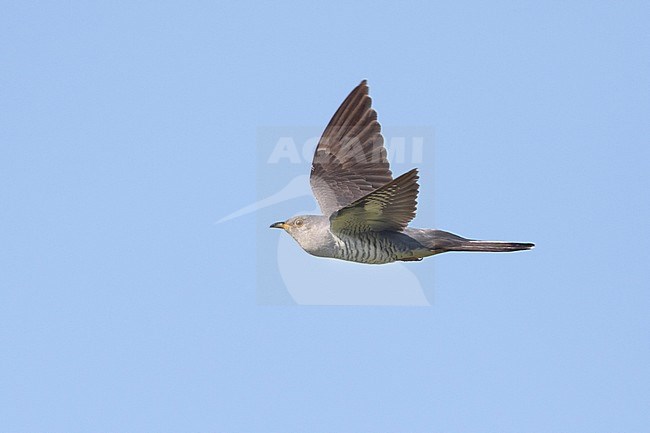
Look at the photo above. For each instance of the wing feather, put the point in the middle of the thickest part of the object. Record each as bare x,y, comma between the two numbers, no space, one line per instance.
350,159
390,207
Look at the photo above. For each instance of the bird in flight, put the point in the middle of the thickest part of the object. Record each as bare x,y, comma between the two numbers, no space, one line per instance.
365,211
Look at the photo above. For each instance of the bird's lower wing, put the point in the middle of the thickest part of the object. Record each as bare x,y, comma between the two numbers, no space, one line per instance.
390,207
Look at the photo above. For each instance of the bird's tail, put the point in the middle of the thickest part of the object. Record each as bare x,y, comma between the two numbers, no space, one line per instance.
439,241
491,246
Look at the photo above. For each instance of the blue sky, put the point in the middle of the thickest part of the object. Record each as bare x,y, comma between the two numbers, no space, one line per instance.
128,129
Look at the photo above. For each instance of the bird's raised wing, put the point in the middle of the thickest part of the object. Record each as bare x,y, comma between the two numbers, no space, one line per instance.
350,159
390,207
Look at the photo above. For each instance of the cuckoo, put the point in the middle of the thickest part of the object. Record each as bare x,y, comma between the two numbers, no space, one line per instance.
365,211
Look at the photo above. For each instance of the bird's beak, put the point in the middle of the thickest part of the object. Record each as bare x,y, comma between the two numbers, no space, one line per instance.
280,225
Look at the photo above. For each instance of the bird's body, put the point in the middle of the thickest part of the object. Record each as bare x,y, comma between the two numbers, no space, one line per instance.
365,247
365,210
379,248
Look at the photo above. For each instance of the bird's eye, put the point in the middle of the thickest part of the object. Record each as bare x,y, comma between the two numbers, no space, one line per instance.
298,222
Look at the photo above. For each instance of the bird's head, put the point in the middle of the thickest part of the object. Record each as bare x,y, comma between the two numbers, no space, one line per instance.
300,223
304,228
